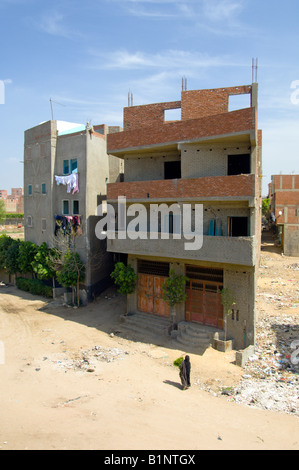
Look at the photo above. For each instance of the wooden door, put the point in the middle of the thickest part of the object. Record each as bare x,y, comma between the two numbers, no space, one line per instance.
203,304
150,295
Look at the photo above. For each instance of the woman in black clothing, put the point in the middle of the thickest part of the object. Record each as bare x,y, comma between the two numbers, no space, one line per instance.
185,369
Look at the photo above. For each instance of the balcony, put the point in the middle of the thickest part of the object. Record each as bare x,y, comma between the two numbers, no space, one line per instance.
237,187
239,251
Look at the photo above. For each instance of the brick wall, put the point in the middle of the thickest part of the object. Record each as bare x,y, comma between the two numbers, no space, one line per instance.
234,122
201,103
221,186
147,115
194,104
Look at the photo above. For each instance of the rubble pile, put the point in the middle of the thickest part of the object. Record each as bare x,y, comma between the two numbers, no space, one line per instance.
90,360
271,376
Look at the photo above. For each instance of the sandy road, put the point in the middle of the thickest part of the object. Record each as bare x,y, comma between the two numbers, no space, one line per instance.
133,402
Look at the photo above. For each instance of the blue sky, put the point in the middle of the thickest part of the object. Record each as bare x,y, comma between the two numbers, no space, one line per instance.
88,55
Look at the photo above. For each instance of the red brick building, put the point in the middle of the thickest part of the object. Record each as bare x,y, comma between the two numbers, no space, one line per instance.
14,202
210,157
284,207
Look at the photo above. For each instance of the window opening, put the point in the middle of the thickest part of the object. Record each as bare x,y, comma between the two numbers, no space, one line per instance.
75,207
65,207
241,101
74,165
238,227
238,164
172,114
66,167
153,267
172,170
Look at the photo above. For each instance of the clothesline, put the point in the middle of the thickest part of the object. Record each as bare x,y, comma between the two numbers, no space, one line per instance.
71,182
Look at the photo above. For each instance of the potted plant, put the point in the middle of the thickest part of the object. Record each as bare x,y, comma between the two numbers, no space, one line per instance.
174,293
228,301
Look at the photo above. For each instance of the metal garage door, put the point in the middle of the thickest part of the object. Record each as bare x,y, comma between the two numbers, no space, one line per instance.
203,304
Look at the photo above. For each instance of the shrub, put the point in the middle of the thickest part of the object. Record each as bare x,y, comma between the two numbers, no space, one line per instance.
34,286
125,278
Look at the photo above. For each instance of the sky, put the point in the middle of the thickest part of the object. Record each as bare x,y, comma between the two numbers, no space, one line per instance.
87,56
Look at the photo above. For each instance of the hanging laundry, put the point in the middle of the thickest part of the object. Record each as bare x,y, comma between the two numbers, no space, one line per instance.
71,182
70,225
76,188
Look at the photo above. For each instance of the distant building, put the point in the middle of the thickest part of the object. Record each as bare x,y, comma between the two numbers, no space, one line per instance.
284,207
14,202
66,171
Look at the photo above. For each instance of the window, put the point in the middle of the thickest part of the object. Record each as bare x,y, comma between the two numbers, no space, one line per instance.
65,207
173,114
238,164
44,224
238,226
241,101
29,221
44,188
74,165
75,207
69,166
66,167
172,170
30,190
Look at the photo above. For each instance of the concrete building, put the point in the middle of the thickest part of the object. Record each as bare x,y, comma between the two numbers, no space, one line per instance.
66,171
284,205
210,157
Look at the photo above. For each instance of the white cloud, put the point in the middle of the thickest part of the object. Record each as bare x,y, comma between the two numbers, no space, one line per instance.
222,10
211,10
52,23
171,59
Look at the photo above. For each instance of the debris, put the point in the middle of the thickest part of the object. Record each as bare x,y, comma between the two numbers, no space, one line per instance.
90,359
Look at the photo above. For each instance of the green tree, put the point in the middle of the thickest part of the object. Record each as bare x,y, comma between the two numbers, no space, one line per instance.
174,291
72,271
5,242
265,206
27,252
44,263
2,211
12,257
125,278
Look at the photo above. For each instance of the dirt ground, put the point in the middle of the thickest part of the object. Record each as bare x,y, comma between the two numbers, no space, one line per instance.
73,379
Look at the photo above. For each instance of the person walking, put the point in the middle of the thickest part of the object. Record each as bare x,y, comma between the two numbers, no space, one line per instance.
185,369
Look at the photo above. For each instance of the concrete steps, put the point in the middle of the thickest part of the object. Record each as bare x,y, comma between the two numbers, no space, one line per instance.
191,337
140,324
195,336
